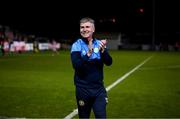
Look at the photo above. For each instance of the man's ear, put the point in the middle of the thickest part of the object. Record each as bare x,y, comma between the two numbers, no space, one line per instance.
93,29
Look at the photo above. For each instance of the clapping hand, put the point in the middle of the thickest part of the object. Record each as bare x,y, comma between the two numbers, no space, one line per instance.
102,45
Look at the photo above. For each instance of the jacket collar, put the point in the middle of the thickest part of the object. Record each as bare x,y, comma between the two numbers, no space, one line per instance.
86,41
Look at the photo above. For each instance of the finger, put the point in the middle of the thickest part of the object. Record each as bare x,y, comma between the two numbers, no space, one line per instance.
104,41
101,45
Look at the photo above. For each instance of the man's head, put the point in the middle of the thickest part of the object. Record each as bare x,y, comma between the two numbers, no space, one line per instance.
87,27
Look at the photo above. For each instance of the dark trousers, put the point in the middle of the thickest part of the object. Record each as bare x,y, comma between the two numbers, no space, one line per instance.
88,99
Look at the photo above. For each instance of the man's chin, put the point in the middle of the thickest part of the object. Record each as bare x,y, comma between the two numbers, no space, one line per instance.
85,36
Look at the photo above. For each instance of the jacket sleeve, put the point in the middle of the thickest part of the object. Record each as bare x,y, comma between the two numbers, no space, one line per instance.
78,62
106,58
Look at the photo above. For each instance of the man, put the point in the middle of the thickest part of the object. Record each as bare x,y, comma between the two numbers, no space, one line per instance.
88,56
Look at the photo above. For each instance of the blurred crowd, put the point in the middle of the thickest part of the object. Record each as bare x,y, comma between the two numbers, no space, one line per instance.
12,41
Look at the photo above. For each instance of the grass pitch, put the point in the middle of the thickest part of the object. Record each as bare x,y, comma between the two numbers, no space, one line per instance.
41,85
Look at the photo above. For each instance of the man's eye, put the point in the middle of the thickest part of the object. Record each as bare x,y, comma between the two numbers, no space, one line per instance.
84,27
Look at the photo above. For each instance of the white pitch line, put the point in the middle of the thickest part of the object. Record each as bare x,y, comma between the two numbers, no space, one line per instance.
127,74
72,114
75,112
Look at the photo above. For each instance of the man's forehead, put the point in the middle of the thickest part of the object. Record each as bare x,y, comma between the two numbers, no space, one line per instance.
86,24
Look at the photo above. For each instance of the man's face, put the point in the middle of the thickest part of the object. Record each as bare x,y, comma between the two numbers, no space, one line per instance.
87,29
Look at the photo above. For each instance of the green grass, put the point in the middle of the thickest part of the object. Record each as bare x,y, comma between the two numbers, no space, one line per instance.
41,85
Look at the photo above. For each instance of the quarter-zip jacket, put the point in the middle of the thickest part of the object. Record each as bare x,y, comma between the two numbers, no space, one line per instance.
89,70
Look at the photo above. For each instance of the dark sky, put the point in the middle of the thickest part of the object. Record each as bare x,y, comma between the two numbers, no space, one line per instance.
56,19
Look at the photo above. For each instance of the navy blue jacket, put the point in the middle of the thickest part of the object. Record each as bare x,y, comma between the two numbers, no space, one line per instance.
89,70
